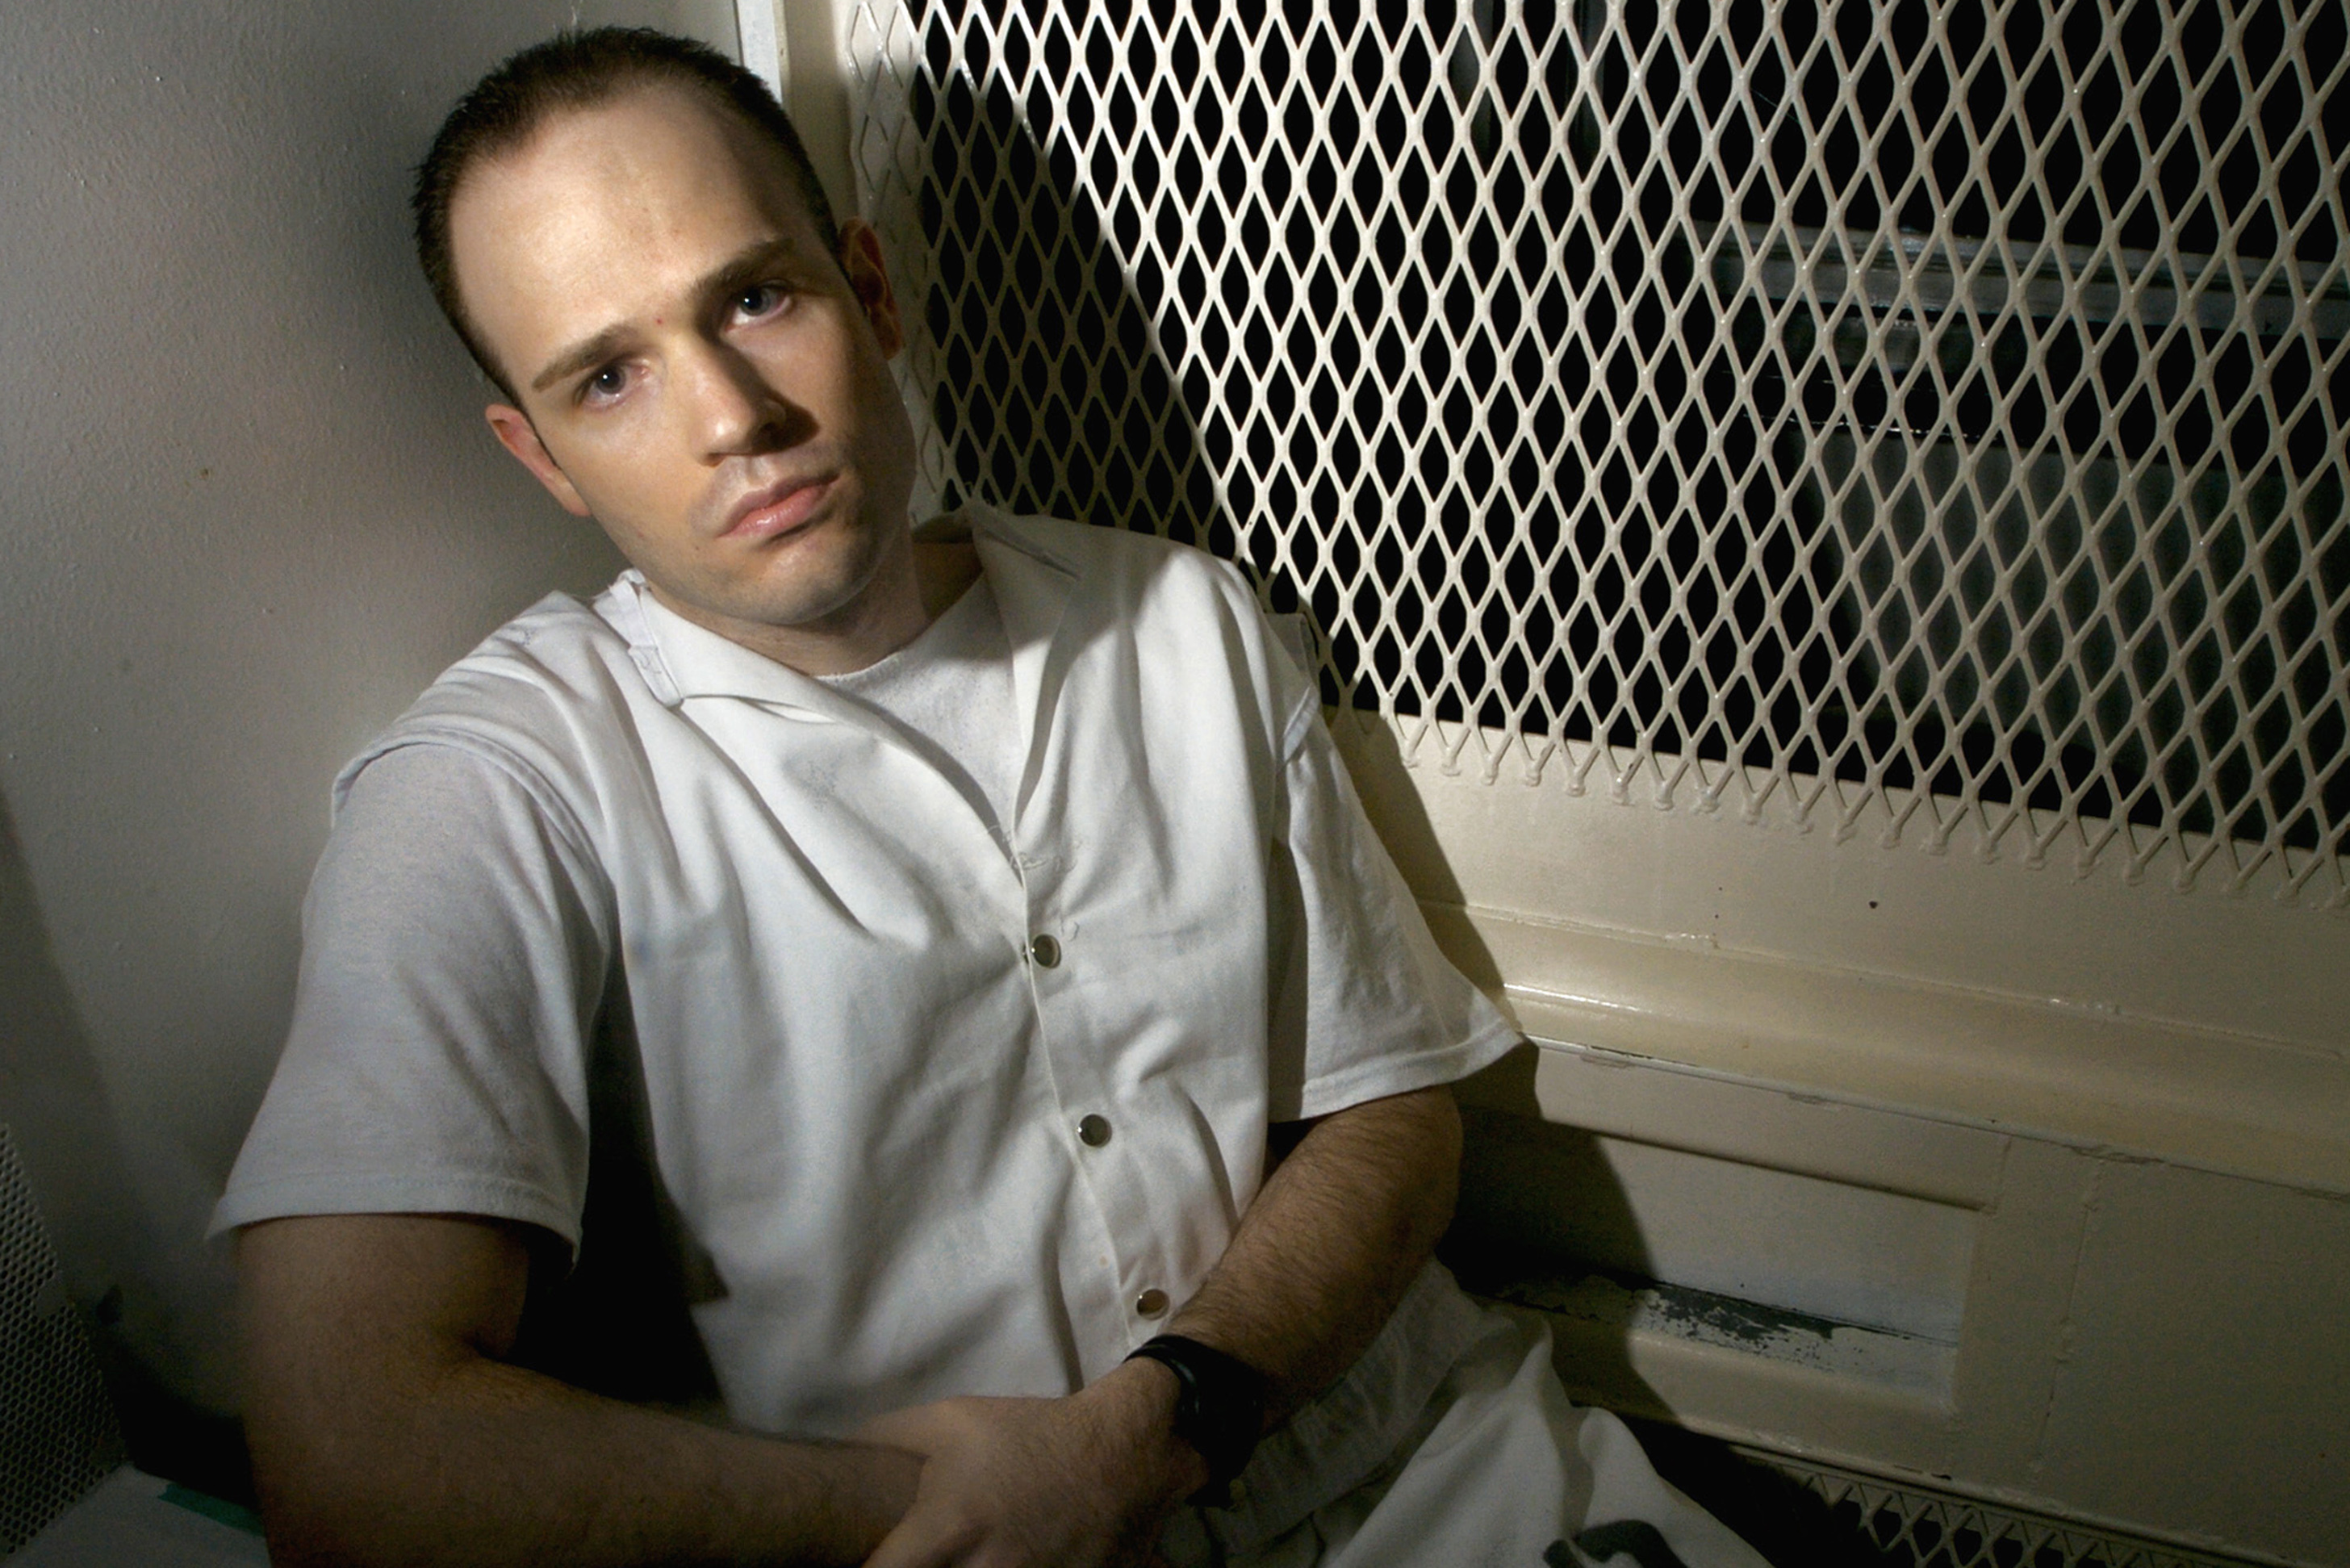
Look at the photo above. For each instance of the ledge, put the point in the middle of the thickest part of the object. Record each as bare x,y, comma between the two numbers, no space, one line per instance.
2130,1089
2205,1029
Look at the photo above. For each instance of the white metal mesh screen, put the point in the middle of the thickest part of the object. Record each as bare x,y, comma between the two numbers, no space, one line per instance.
1912,417
1912,1527
1909,1527
57,1432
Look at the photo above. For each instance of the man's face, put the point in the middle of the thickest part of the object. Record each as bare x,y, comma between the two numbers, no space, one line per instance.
693,369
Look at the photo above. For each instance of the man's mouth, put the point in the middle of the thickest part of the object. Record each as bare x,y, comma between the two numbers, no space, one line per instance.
781,508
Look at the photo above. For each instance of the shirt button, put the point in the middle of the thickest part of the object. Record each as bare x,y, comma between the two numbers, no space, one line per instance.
1151,1302
1045,952
1093,1131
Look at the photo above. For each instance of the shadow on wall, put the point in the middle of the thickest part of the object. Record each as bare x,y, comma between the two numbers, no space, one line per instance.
54,1100
1052,395
1068,406
1544,1217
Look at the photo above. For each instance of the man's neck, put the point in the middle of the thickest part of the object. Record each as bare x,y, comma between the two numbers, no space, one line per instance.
942,571
913,591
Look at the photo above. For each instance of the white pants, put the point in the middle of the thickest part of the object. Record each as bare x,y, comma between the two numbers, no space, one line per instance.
1507,1473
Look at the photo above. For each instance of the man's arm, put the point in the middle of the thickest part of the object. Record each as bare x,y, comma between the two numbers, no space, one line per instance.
1321,1258
1331,1245
385,1427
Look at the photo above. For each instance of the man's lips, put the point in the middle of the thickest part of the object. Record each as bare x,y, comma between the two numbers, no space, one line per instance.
779,508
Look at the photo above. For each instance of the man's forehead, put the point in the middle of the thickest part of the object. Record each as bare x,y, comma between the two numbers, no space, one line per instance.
609,202
644,149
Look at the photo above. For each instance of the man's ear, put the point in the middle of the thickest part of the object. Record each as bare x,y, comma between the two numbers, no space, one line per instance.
869,275
519,436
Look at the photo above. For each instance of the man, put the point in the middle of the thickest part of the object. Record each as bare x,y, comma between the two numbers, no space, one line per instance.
1037,1055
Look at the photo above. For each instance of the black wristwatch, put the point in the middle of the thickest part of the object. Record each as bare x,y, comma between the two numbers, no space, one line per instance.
1220,1410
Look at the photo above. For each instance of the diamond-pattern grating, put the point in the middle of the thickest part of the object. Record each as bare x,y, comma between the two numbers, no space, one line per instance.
1910,1527
1921,418
57,1432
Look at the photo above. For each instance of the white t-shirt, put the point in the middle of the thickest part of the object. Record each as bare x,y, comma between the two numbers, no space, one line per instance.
951,689
866,1030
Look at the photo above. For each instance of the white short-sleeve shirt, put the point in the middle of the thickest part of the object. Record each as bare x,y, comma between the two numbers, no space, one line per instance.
868,1030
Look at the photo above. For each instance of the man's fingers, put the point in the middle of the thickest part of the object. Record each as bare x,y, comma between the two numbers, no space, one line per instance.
921,1429
915,1543
897,1430
899,1550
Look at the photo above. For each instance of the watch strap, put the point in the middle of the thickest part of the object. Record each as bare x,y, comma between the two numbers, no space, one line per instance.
1219,1407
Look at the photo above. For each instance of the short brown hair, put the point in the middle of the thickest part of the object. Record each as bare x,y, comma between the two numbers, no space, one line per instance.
575,71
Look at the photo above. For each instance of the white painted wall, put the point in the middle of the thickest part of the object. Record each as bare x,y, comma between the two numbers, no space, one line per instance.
249,511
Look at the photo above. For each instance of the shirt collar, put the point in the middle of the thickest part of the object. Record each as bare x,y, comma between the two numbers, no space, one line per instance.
681,660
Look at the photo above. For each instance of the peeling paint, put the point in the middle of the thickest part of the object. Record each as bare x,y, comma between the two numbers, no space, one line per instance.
1647,1308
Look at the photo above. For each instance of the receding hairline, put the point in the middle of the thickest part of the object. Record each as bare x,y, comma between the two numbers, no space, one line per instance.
757,158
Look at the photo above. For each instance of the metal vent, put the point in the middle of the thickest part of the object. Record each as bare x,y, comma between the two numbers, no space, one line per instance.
1912,1527
1923,419
57,1432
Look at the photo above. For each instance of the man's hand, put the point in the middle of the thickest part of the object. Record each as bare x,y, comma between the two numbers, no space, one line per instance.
1085,1482
1322,1255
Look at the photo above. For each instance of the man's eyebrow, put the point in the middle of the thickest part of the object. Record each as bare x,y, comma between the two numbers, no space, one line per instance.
583,356
737,270
745,264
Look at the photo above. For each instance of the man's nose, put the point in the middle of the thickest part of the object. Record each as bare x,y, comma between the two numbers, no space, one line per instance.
736,411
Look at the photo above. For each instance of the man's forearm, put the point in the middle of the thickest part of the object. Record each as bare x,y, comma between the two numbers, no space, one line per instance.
389,1438
502,1466
1331,1243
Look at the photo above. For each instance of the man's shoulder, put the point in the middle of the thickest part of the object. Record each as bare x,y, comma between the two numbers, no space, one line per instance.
544,696
560,652
1193,617
1073,546
1129,571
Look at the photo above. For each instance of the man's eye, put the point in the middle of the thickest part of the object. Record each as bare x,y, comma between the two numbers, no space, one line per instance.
759,299
605,384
